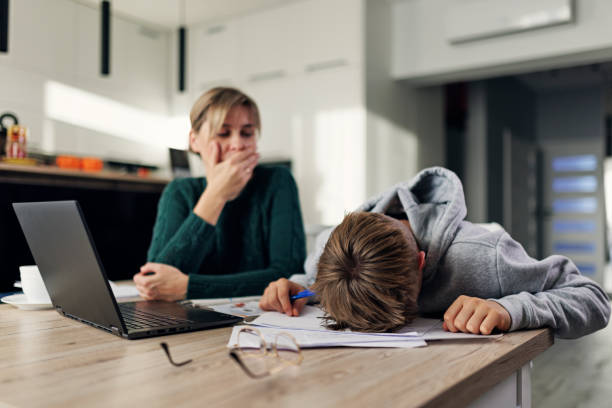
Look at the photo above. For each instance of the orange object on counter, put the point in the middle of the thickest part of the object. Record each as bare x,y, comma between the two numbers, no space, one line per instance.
68,162
91,164
143,172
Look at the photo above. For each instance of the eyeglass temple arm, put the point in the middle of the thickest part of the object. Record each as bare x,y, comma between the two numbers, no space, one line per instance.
167,350
234,354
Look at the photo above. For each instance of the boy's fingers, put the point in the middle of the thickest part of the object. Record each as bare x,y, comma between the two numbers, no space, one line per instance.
283,297
298,305
489,323
268,300
473,325
451,312
274,303
460,322
263,302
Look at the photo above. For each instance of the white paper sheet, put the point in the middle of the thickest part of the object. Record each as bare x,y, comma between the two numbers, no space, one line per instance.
222,301
308,339
311,319
123,290
241,309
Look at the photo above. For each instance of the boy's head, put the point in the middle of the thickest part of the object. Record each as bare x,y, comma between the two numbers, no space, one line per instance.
369,274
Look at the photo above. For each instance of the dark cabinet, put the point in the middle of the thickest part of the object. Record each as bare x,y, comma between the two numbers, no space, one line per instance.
120,212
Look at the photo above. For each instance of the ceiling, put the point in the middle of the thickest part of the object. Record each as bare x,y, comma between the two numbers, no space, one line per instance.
167,13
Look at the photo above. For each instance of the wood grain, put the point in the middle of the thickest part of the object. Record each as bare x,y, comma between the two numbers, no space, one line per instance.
47,360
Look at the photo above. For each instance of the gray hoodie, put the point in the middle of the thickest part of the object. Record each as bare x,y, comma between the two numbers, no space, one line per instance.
466,259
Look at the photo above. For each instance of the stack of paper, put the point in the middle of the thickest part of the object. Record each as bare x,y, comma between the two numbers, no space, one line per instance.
308,331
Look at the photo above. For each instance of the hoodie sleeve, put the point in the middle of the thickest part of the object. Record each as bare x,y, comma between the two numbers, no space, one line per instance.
550,292
312,260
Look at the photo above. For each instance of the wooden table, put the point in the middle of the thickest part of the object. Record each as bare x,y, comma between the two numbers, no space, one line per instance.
51,361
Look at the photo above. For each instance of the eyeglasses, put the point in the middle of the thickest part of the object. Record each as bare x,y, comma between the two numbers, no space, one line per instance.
252,354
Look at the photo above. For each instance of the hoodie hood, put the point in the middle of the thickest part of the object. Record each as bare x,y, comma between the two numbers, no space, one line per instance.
434,204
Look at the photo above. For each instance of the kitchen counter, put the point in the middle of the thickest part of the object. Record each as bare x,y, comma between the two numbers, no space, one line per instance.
55,176
120,210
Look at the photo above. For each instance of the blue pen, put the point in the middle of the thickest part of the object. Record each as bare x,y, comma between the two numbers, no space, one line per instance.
303,294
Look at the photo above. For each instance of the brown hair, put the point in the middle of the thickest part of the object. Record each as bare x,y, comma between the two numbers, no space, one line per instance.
212,108
368,274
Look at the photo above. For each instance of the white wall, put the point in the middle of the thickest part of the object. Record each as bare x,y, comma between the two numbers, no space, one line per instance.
303,64
58,41
405,126
320,73
349,129
422,53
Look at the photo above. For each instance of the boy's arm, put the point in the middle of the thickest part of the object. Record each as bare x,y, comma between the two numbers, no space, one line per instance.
550,292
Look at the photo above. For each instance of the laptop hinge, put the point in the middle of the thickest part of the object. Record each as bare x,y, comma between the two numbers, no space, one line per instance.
115,330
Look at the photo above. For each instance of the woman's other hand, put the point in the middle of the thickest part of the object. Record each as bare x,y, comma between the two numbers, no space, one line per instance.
157,281
277,297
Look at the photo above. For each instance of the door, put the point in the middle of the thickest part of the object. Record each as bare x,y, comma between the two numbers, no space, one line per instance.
573,216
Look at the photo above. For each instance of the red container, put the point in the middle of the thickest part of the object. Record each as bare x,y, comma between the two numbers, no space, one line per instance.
68,162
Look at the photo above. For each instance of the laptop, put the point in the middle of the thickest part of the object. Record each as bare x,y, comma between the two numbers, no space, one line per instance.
64,251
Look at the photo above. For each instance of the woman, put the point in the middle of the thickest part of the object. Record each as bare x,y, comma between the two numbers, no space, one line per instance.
236,230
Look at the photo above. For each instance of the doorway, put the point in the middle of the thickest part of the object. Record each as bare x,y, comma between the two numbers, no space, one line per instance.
513,141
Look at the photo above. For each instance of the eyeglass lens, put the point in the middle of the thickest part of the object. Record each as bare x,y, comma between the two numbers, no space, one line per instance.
287,350
253,352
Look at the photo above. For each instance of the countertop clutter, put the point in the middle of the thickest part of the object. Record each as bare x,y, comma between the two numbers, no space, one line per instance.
14,152
83,166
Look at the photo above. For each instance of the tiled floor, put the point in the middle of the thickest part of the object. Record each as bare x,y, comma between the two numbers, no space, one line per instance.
575,373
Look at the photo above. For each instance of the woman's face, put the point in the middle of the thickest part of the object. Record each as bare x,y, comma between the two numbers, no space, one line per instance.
237,133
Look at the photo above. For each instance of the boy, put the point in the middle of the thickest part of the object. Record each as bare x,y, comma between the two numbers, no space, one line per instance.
410,250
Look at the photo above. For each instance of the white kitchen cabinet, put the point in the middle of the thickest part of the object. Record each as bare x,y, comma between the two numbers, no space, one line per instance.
328,34
276,100
41,37
88,51
214,53
146,69
265,40
423,51
138,70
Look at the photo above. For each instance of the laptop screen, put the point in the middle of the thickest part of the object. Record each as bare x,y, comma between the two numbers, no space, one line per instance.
67,259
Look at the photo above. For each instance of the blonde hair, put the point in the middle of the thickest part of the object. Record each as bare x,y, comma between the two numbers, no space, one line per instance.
368,275
213,106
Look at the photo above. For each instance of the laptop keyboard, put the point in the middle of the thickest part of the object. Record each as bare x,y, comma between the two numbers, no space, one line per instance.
138,319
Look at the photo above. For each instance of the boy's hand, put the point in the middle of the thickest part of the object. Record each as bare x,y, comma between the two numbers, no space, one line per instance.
474,315
276,297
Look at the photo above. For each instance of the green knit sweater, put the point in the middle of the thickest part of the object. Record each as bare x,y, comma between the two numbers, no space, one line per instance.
259,236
